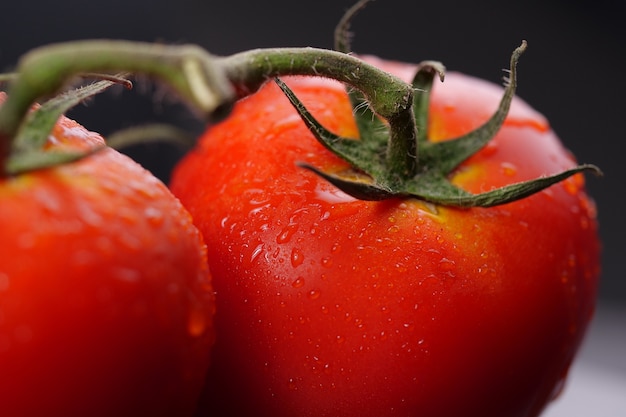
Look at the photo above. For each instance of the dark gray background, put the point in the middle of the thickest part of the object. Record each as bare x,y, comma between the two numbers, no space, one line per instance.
572,72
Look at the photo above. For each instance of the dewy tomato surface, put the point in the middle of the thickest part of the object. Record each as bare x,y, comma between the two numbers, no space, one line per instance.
106,304
329,306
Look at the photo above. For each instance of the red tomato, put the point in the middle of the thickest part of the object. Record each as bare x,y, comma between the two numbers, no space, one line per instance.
106,304
329,306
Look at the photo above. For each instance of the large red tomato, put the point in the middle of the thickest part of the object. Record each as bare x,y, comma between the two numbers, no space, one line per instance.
106,304
330,306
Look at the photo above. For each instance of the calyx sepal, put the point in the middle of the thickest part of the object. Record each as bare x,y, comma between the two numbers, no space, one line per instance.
398,161
28,151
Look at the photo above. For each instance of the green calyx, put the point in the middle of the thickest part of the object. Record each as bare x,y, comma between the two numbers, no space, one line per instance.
399,161
28,148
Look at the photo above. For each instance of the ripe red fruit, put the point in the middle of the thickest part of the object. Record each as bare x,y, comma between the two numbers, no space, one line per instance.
330,306
106,304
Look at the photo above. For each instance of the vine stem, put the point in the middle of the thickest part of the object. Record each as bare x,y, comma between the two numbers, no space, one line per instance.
208,83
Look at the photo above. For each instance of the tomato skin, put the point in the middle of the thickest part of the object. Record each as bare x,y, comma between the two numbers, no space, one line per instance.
106,303
329,306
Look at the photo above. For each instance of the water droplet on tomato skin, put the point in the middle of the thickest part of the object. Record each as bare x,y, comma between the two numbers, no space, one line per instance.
508,169
327,262
256,196
314,294
448,266
154,217
298,283
393,229
297,258
573,184
256,252
286,234
224,222
257,210
292,384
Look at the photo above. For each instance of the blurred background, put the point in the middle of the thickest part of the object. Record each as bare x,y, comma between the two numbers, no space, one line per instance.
571,72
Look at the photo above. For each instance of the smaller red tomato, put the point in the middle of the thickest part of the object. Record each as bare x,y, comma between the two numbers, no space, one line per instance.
106,304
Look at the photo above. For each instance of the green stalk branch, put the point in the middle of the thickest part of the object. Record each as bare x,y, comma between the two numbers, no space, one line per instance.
209,84
188,69
387,94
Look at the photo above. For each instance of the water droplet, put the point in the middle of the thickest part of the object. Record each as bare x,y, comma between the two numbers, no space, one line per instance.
447,265
393,229
573,184
335,248
154,216
256,196
340,339
327,262
508,169
296,257
255,211
287,233
292,384
327,369
314,294
298,283
256,252
332,195
224,221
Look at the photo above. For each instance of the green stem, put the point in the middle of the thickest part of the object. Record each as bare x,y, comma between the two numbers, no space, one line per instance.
387,94
208,83
188,69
